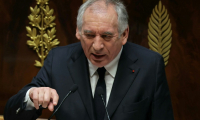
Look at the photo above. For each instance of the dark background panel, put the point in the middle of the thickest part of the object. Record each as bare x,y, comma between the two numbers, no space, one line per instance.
183,73
17,59
183,69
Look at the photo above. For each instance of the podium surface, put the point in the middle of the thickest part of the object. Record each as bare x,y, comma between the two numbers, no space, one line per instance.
1,118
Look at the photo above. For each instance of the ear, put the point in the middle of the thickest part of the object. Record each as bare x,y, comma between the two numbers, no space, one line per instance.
78,36
124,36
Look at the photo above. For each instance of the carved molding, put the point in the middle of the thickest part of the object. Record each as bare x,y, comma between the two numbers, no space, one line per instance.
159,32
42,33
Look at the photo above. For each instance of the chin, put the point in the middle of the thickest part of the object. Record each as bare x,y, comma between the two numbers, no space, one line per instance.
98,64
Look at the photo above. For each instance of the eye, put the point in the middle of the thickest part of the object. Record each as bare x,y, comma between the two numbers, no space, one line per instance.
107,37
90,36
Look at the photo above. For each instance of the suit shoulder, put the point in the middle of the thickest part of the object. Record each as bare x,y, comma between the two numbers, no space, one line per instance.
66,49
70,46
141,51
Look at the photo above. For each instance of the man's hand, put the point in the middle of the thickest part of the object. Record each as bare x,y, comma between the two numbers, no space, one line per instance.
45,96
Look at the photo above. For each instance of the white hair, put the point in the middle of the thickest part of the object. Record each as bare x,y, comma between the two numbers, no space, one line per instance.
119,8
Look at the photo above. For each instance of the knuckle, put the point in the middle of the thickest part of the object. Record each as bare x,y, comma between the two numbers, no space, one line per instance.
36,89
40,101
47,88
33,93
40,98
54,94
46,101
53,90
35,97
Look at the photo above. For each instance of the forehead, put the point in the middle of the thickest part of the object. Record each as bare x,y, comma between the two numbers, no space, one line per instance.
100,12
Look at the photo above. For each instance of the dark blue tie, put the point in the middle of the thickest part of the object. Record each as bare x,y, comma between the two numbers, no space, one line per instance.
98,103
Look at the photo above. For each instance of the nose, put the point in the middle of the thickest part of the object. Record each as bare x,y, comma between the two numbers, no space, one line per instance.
98,44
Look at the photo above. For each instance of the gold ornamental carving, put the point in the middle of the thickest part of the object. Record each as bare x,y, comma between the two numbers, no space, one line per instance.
159,32
42,34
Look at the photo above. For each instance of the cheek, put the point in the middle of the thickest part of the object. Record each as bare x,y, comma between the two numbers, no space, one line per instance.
86,45
114,49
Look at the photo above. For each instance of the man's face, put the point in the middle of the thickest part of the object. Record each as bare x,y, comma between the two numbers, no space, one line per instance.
99,35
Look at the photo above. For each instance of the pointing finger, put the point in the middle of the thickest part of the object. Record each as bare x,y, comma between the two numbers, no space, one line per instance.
51,106
46,99
35,99
55,97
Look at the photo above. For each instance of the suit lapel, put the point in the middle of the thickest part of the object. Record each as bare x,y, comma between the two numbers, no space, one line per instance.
79,71
123,80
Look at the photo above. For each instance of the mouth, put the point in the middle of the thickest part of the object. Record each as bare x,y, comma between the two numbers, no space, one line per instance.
98,56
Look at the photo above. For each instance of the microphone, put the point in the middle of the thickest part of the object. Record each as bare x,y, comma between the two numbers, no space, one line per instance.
71,90
100,92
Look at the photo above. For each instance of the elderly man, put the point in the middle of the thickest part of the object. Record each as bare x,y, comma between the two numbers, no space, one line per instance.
131,78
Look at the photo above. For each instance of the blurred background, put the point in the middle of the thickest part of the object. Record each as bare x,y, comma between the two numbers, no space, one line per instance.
183,70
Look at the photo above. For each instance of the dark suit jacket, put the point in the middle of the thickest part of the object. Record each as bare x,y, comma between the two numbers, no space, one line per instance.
140,90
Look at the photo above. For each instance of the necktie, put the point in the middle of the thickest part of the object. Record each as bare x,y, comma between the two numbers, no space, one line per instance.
98,103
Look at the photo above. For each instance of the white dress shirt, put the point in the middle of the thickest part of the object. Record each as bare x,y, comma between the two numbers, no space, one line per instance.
111,69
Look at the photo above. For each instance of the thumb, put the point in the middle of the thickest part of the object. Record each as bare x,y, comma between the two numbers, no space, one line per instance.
51,106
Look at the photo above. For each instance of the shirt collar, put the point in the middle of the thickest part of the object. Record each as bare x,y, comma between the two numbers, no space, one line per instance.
110,67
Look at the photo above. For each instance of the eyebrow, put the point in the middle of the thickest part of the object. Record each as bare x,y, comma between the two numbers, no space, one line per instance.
104,33
107,33
88,31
